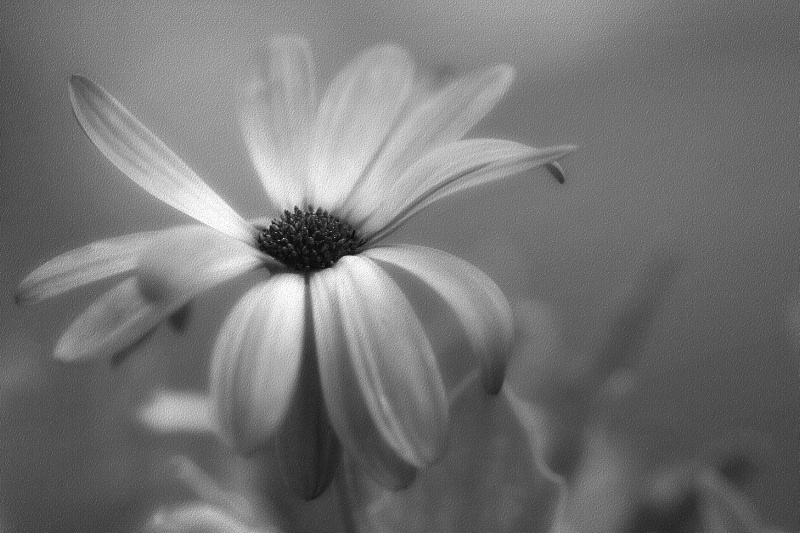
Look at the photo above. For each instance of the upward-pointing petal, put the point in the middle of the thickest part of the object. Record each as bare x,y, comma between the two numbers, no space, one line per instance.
443,118
277,112
450,169
140,155
355,116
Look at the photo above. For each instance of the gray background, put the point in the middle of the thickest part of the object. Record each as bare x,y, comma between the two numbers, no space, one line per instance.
687,118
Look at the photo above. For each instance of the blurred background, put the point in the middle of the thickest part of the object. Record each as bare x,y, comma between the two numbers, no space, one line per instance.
687,114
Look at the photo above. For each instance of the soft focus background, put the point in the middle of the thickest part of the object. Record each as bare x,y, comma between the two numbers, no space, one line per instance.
687,115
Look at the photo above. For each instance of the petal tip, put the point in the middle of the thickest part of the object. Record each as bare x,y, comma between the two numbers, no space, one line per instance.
20,297
556,170
501,77
77,85
493,372
493,384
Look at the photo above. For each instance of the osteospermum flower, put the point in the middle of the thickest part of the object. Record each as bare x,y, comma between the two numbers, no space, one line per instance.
327,348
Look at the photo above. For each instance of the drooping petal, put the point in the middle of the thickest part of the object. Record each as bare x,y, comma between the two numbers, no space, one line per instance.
277,113
443,118
141,156
306,446
359,110
184,261
81,266
478,303
450,169
115,321
256,361
384,392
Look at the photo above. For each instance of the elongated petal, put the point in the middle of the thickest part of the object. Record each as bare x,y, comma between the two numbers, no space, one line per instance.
357,113
443,118
177,265
115,321
277,113
256,361
450,169
476,300
187,260
81,266
140,155
306,446
379,374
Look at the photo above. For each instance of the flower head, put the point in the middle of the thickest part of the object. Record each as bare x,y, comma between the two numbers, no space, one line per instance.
327,349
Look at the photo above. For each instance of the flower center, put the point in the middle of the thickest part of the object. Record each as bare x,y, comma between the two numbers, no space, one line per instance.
309,240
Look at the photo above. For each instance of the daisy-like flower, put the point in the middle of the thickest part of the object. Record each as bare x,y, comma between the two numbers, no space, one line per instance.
327,348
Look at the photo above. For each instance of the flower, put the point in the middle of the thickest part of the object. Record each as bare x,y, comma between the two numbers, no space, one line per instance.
327,348
218,509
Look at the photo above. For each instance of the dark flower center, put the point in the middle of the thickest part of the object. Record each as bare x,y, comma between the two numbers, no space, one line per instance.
309,240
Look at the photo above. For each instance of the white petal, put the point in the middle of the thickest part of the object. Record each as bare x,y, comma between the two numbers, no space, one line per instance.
175,411
197,518
278,107
450,169
445,117
477,301
357,113
306,446
177,265
81,266
182,262
379,374
140,155
257,359
114,322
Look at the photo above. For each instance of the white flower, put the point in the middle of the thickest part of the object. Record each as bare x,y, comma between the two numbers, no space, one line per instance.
327,348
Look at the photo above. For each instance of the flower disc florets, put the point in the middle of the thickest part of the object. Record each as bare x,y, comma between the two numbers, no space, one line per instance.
309,240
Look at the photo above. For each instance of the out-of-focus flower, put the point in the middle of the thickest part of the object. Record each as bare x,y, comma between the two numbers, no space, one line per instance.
693,496
487,481
562,393
328,347
218,511
558,396
606,483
